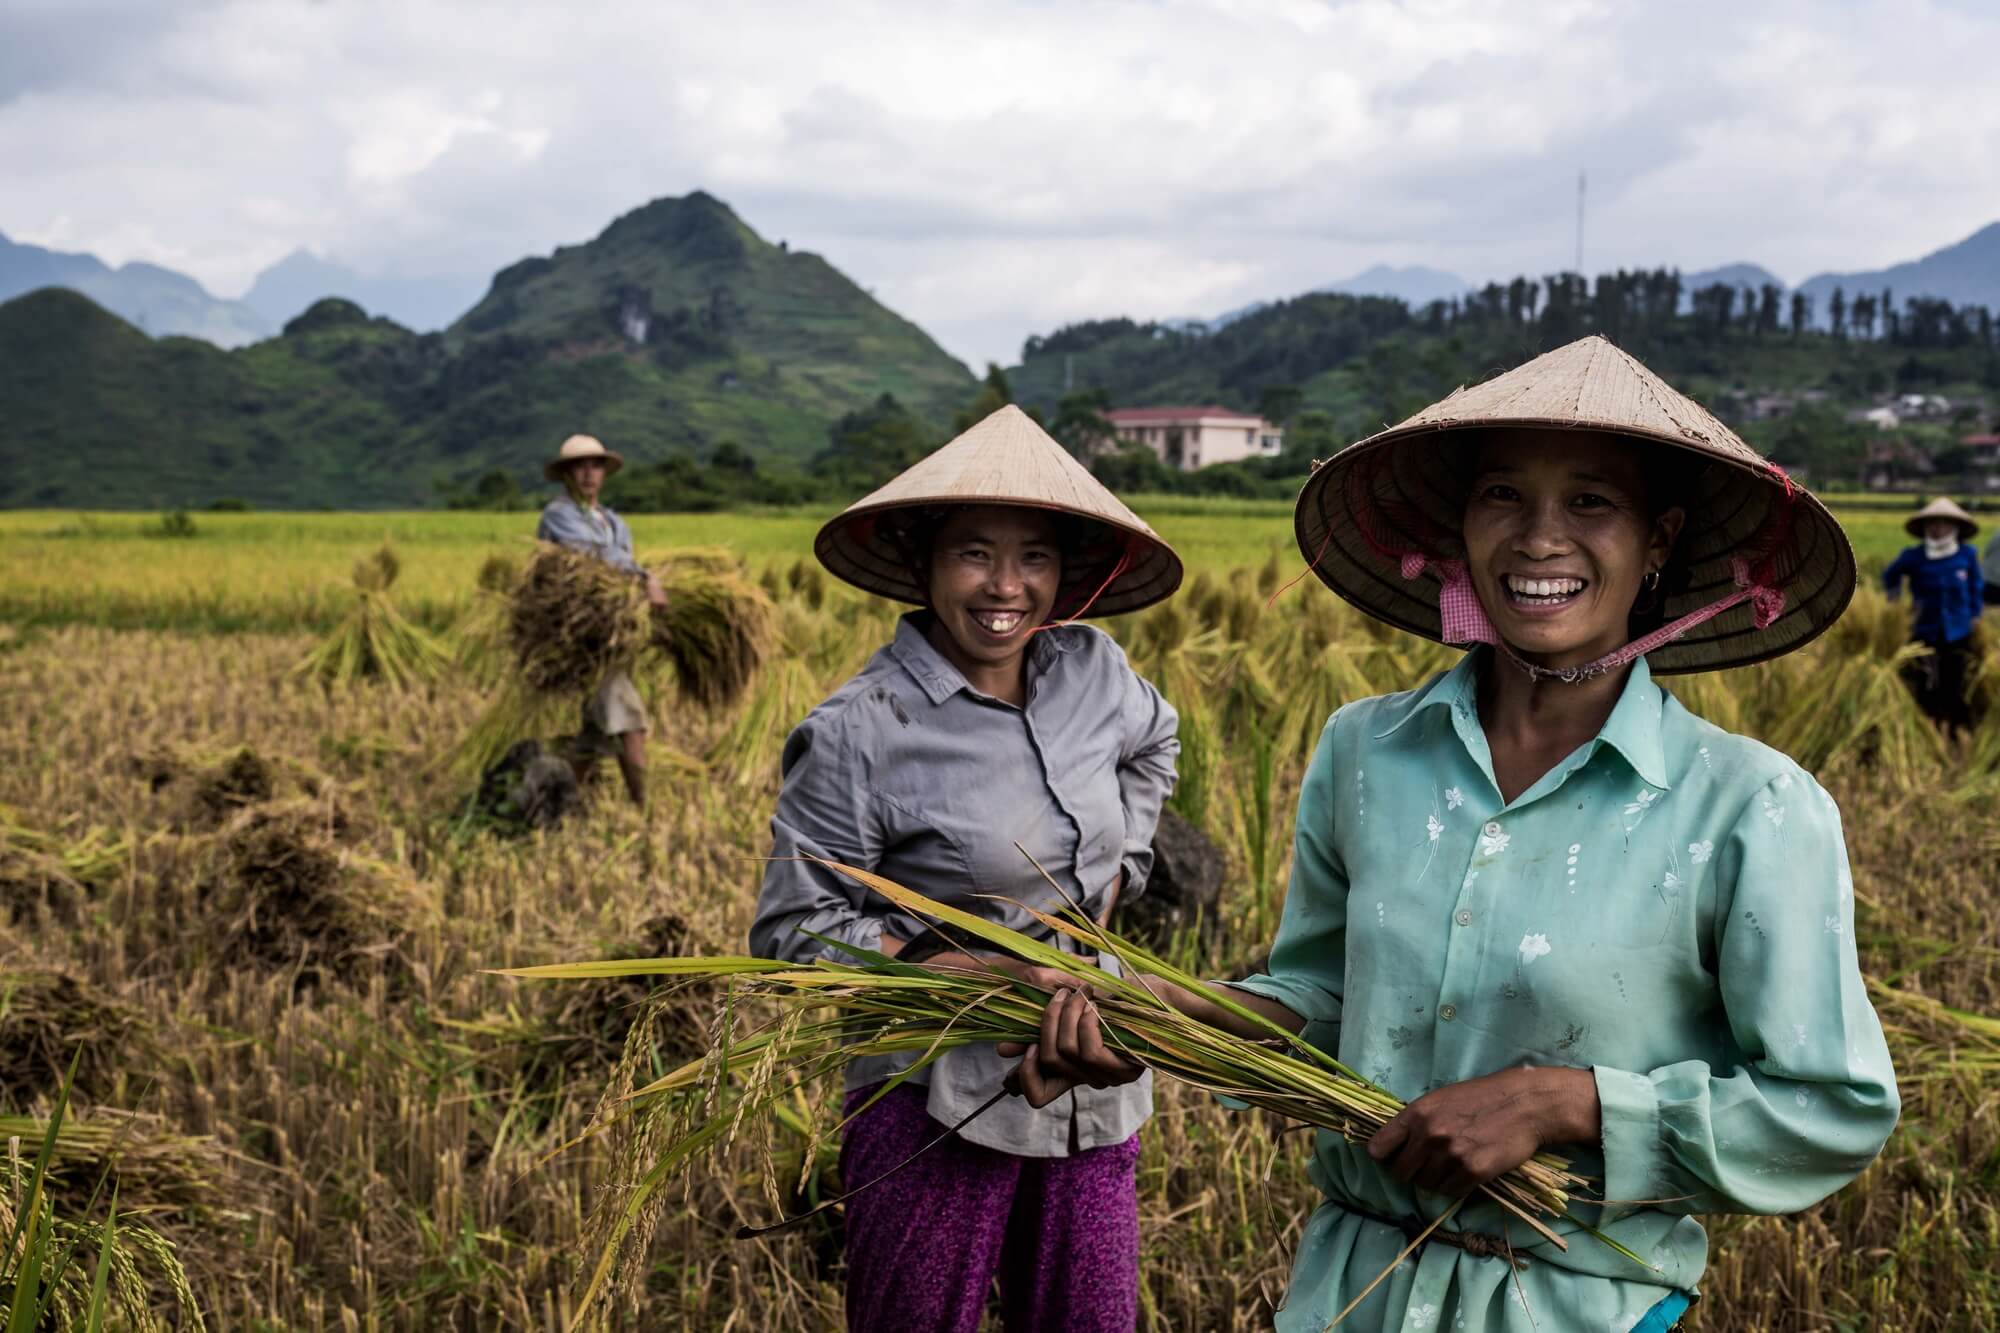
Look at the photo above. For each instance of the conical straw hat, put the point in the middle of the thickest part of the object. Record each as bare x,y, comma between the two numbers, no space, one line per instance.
1377,517
1004,460
1942,507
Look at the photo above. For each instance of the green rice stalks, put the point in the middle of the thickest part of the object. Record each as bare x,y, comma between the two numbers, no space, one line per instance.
832,1012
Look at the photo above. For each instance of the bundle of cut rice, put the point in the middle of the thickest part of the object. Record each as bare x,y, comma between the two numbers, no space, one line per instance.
571,618
716,629
831,1012
373,641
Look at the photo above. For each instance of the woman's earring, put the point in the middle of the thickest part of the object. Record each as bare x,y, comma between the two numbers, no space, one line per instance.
1649,594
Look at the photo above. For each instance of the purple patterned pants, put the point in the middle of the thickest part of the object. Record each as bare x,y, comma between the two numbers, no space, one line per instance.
924,1247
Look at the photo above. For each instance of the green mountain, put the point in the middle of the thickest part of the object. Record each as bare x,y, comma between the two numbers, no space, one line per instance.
676,331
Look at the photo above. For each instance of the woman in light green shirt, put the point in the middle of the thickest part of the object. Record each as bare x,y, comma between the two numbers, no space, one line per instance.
1538,899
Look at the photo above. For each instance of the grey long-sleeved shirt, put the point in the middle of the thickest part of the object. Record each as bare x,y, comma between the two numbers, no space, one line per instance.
911,773
595,530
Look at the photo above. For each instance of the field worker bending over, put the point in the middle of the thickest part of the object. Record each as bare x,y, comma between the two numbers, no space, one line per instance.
1536,898
1948,588
989,720
614,719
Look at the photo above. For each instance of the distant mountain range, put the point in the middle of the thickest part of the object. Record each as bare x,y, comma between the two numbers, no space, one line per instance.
424,304
154,299
1414,286
676,329
1967,273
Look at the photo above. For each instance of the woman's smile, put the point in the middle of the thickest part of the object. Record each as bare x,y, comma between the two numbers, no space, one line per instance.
998,623
1543,593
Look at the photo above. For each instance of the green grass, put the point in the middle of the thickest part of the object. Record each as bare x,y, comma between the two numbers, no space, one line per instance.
270,571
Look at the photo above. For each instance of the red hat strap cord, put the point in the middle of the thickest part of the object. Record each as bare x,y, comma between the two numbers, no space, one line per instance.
1462,620
1117,571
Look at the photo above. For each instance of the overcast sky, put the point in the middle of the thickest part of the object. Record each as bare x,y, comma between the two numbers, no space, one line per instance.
995,169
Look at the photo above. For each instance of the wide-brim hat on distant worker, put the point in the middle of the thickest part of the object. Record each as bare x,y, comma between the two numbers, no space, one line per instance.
1968,527
576,449
1122,565
1761,567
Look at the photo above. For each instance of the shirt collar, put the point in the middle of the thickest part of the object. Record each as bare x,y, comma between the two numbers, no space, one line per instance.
938,678
1633,729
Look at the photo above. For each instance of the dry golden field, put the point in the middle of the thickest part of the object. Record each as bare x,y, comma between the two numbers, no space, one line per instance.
261,906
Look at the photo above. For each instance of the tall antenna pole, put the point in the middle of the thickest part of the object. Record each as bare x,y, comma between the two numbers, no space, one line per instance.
1580,176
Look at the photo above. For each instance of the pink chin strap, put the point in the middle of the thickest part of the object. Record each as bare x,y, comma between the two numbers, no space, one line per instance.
1462,620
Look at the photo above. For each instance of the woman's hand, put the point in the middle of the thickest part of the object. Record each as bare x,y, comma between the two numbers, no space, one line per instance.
1071,1051
1456,1139
655,594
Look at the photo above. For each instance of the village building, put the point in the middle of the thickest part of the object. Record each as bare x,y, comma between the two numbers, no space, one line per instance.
1896,465
1187,438
1982,461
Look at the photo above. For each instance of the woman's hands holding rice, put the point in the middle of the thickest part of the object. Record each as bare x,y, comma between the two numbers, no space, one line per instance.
1457,1138
1072,1049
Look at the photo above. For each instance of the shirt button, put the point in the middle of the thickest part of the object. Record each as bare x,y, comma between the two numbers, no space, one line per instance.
1447,1012
1464,917
1492,830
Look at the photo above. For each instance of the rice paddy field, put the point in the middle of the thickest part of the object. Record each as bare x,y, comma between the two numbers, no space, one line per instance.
258,900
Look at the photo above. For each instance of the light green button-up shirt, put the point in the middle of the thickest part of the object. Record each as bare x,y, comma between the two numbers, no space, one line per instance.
1670,906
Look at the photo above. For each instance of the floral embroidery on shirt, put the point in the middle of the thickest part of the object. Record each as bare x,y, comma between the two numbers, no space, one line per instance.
1433,830
1775,813
1453,798
1575,850
1706,761
1423,1316
1699,852
1637,809
1798,1034
1533,947
1834,927
1493,840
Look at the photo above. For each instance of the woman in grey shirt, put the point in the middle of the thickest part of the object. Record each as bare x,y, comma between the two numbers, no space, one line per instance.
988,721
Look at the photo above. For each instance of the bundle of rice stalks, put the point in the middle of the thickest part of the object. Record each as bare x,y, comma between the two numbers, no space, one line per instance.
373,641
288,900
807,582
831,1012
717,628
45,1015
156,1169
243,779
41,872
47,1267
748,752
571,618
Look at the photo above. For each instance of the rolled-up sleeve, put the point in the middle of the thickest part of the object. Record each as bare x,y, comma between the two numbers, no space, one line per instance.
1308,962
1146,775
824,810
1813,1098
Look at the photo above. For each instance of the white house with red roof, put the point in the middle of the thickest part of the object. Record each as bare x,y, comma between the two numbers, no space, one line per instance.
1192,437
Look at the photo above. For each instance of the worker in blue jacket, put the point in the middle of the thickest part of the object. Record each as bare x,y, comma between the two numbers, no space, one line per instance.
1949,593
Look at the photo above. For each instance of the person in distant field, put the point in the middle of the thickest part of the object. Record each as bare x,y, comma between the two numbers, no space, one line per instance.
1948,587
1989,570
614,718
